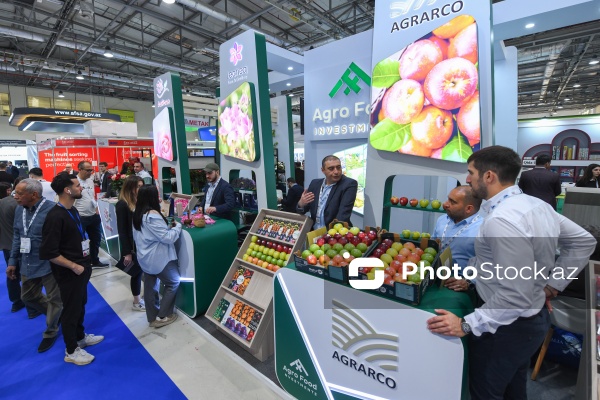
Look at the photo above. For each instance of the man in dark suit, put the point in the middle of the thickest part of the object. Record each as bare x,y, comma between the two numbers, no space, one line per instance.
14,171
329,198
219,198
104,178
293,196
540,182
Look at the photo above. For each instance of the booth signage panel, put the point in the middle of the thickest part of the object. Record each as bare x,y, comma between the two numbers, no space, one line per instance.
199,122
74,142
109,219
12,143
60,157
13,153
343,340
163,130
110,129
126,115
337,96
431,61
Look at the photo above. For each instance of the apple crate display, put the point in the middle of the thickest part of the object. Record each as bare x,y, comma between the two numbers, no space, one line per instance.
422,204
394,251
329,256
243,305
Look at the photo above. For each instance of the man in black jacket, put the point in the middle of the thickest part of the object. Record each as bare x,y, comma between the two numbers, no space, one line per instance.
293,196
329,198
540,182
219,197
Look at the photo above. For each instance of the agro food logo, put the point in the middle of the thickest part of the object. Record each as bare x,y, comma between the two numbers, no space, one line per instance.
353,334
162,87
235,53
298,375
351,83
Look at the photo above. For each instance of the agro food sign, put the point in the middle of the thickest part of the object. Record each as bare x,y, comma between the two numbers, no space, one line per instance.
340,340
163,131
426,78
337,95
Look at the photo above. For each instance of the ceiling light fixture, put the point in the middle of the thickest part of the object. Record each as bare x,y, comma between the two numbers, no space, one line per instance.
567,99
576,84
529,25
79,75
60,94
108,53
168,1
290,68
288,84
594,60
291,95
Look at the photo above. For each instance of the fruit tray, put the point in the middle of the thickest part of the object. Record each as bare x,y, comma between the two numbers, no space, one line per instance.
411,292
331,273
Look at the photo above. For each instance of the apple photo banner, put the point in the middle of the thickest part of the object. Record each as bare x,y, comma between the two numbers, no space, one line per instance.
431,90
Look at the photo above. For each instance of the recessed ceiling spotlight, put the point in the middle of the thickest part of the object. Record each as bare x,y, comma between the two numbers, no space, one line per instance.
290,68
529,25
288,84
60,94
79,75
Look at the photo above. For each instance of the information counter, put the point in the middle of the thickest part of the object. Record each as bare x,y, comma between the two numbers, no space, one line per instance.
205,255
336,342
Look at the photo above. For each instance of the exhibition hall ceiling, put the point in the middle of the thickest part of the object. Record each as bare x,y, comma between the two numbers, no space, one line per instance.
61,45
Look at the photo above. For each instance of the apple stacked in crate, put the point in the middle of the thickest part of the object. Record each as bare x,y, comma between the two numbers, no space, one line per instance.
267,254
414,235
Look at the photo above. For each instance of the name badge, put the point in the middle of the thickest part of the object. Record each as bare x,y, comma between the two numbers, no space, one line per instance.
25,245
85,246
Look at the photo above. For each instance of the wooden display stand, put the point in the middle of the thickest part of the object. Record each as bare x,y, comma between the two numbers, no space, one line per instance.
256,298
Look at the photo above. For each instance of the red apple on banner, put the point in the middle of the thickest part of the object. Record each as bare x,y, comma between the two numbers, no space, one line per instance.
468,120
418,59
403,101
450,83
432,127
414,148
464,44
442,44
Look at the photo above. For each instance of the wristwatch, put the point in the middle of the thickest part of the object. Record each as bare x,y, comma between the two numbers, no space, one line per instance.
464,325
470,285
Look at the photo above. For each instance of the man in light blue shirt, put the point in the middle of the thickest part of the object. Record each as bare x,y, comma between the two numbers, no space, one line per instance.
458,229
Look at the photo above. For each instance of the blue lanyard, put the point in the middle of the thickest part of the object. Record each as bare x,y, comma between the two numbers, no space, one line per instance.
77,222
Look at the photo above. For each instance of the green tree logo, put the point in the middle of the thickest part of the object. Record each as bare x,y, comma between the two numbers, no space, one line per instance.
351,82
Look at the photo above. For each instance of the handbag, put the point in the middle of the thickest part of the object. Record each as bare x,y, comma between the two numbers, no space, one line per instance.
133,270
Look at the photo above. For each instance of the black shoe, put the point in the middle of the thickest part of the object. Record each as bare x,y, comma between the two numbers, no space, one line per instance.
46,344
100,264
34,314
17,306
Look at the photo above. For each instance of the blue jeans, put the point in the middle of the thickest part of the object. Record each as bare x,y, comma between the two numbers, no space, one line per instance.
498,362
93,226
169,277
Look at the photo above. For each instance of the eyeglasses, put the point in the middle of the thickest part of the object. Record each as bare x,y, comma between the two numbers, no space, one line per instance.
89,170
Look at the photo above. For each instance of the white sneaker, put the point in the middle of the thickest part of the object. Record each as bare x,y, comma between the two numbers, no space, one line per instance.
141,306
79,357
160,322
89,340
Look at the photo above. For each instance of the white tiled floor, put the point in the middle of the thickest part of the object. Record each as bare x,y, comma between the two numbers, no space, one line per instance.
200,366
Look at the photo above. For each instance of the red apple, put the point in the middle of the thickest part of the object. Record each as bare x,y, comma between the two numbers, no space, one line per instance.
398,277
442,44
367,241
389,281
391,271
324,260
464,44
413,202
394,200
331,241
372,235
403,101
312,259
403,201
320,242
337,236
349,235
432,127
355,240
468,120
451,83
387,242
378,253
343,241
418,59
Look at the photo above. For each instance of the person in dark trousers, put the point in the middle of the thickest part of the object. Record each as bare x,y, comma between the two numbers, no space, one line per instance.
6,176
36,274
591,177
540,182
104,179
11,169
518,232
219,198
124,209
8,206
87,207
294,193
66,244
331,197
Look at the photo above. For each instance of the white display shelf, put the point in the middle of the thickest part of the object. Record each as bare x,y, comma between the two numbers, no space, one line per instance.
572,163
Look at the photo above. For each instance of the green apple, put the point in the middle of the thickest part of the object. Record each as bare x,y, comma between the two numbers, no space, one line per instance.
326,247
362,247
284,256
428,257
397,246
392,252
249,251
332,232
318,253
276,254
343,231
355,231
416,278
426,234
314,247
406,234
424,203
269,259
356,253
331,253
349,246
261,248
337,228
338,247
431,251
305,254
254,238
386,258
270,252
245,257
254,253
435,204
416,235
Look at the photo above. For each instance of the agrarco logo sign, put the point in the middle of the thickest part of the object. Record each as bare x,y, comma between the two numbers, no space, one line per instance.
351,82
160,89
363,349
297,374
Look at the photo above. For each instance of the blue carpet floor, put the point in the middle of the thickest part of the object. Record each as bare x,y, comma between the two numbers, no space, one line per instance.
123,369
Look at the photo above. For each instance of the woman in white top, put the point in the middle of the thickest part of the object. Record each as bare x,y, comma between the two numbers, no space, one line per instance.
155,245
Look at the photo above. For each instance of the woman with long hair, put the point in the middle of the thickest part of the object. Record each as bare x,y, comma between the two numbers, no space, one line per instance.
124,209
155,243
125,168
591,177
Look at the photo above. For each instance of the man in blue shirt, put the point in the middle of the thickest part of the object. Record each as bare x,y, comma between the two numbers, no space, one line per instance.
35,273
458,230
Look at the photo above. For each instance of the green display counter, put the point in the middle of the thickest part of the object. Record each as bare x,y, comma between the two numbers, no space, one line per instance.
205,255
336,342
